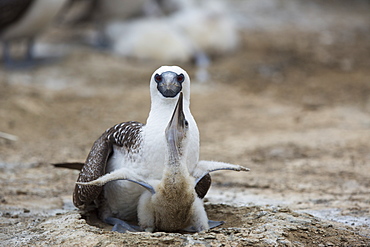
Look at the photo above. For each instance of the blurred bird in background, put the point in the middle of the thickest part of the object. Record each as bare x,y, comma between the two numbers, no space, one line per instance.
24,20
168,31
162,30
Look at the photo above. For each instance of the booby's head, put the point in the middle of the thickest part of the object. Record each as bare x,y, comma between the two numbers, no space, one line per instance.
177,128
168,81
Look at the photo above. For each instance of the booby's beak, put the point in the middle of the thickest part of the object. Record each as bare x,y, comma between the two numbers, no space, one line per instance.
169,84
178,125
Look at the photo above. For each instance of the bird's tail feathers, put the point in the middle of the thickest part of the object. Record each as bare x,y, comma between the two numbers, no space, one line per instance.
120,174
70,165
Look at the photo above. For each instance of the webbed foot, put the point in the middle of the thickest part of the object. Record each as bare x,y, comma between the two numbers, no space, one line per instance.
121,226
211,224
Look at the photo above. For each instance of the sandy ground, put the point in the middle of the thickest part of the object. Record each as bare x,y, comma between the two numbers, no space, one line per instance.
291,105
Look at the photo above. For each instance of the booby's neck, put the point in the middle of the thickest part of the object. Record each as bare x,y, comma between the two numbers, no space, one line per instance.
161,111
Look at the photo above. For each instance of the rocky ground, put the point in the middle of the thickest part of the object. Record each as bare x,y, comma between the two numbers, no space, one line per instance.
293,105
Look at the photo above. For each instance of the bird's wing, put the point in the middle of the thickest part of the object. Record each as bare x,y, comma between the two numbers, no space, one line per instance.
204,167
202,186
126,135
11,11
120,174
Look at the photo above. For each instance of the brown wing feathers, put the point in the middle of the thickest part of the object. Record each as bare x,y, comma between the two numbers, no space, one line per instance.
126,135
93,169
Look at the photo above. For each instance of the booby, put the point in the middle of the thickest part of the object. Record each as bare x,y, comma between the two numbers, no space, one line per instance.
171,203
194,31
102,12
25,19
139,148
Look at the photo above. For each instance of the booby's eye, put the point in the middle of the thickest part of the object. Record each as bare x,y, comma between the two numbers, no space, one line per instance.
186,124
158,78
180,78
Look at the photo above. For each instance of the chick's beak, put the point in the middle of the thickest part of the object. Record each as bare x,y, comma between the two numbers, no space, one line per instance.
175,130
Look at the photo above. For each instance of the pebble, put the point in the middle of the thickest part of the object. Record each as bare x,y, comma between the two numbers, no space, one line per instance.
167,239
210,236
304,228
284,210
327,225
158,234
260,214
284,242
292,228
